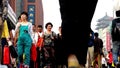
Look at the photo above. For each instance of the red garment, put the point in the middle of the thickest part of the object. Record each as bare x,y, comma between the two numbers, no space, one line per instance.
6,55
33,54
40,41
110,57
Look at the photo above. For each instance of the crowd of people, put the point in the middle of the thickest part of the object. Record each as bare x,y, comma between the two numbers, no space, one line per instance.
96,58
36,48
71,16
31,47
96,55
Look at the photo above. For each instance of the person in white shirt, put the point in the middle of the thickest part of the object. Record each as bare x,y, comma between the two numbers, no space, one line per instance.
34,32
39,33
103,61
39,44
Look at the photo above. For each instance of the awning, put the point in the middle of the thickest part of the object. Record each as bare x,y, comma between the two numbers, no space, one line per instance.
11,15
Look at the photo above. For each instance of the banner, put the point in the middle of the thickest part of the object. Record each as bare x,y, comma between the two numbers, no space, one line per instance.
108,44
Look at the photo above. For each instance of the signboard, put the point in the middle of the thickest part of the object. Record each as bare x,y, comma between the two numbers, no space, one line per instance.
31,13
108,44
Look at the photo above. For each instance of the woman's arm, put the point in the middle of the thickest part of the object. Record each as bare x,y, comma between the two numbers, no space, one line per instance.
16,33
31,31
17,27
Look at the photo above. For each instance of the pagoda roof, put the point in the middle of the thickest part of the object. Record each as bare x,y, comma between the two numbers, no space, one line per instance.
105,18
104,22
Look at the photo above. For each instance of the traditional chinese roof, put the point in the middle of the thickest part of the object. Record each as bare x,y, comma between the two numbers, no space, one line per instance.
104,22
105,18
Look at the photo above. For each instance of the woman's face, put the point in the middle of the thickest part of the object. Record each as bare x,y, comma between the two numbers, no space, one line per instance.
23,17
49,27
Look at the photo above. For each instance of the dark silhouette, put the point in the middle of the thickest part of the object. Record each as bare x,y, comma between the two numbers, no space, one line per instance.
115,34
76,16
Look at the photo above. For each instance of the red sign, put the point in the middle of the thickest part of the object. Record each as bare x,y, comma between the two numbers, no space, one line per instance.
108,44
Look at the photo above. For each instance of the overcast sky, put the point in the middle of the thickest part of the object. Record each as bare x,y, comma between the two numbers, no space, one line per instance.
103,7
52,12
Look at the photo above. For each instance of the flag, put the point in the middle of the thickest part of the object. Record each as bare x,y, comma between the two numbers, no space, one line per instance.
5,31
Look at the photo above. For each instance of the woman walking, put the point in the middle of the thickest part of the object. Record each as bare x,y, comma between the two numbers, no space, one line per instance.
49,38
24,40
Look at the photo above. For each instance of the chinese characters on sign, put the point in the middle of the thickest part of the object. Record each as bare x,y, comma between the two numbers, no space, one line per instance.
31,13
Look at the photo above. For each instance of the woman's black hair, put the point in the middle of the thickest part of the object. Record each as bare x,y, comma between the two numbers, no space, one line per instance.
25,13
49,23
19,17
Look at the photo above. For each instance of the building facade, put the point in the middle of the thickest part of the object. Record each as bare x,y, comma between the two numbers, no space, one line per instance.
103,28
35,11
33,7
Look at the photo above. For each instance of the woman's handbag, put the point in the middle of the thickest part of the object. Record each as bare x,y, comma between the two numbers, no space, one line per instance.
6,55
13,52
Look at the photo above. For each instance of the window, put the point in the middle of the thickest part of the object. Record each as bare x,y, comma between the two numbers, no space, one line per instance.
31,0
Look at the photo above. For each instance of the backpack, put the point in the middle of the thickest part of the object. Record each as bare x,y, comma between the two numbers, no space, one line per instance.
117,29
115,33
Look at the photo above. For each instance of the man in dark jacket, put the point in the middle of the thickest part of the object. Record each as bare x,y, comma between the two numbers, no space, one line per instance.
98,45
90,52
116,37
74,13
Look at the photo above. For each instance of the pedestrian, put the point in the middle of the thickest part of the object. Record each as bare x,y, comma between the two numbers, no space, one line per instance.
39,46
110,59
12,48
25,40
49,51
59,49
4,38
115,33
98,45
90,53
33,51
103,61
